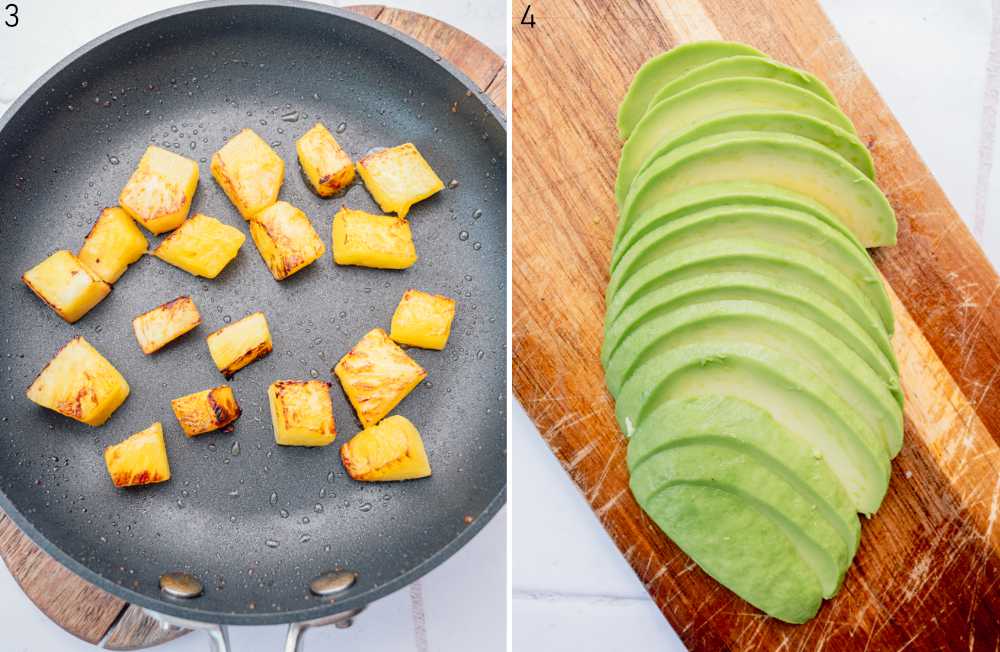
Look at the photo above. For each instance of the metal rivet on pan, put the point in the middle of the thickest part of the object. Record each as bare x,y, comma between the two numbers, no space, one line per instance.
181,585
332,582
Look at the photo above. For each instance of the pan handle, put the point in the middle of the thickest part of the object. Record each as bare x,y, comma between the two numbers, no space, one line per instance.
218,635
294,640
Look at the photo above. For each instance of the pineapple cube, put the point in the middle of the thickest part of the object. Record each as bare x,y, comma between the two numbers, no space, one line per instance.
203,246
80,383
382,241
325,164
206,410
159,193
249,171
398,178
164,324
66,285
377,375
240,343
390,451
140,459
301,412
285,239
423,320
112,245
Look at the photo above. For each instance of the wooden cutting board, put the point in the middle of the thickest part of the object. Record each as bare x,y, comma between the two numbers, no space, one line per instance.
927,575
96,616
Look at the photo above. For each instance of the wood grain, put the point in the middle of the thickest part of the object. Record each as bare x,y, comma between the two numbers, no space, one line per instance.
927,575
92,614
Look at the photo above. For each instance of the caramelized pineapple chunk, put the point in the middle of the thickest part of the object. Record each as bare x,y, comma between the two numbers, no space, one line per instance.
206,410
66,285
164,324
423,320
159,193
240,343
301,412
140,459
80,383
390,451
327,166
381,241
398,178
285,239
249,171
377,375
203,246
114,243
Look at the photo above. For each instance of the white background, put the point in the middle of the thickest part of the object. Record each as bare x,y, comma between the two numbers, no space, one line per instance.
457,607
930,60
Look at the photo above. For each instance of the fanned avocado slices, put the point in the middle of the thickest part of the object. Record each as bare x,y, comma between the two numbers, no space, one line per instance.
790,162
662,69
667,119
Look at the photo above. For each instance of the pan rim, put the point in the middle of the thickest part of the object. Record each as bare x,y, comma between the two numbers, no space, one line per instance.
350,600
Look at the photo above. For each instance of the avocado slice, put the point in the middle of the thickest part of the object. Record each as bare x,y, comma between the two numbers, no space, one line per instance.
730,469
664,68
749,255
791,162
837,140
711,526
772,327
798,399
745,67
780,226
744,426
749,286
665,120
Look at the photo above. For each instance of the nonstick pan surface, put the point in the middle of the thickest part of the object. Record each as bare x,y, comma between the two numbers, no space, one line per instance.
255,522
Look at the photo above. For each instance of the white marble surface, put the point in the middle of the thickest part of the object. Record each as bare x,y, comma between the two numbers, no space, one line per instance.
459,606
931,60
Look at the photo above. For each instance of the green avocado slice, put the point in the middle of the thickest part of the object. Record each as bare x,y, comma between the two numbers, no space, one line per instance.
749,286
736,472
776,329
746,427
782,227
839,141
741,548
749,255
791,162
667,119
690,200
745,67
664,68
800,400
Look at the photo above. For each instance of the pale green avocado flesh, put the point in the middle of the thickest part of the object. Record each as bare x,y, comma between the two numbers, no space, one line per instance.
790,162
664,68
667,119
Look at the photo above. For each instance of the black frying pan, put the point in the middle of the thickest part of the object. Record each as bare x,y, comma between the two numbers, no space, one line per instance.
189,78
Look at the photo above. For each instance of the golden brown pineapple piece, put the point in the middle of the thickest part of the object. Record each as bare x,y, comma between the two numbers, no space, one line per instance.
249,171
66,285
398,178
377,375
423,320
203,246
326,165
159,193
80,383
114,243
165,323
140,459
392,450
240,343
301,412
381,241
206,410
285,239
